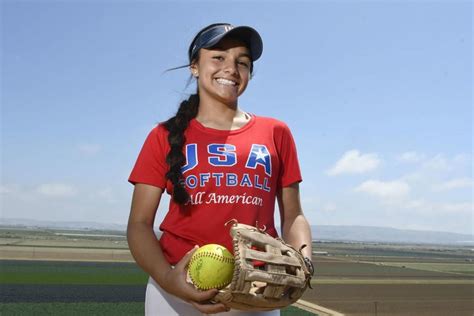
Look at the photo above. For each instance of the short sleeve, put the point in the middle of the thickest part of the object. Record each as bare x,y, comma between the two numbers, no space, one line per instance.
289,166
150,167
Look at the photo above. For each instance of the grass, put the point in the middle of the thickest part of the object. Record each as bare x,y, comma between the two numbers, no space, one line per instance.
88,308
294,311
97,309
457,268
50,272
80,273
389,281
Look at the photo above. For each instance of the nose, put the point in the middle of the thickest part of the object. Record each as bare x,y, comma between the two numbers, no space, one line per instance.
230,67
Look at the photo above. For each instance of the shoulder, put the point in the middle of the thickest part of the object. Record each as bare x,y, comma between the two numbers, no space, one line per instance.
158,135
273,123
159,130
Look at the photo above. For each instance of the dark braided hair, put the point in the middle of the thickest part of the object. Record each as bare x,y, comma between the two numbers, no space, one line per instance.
176,159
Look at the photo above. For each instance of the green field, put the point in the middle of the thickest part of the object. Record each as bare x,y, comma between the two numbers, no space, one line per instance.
96,309
60,272
455,268
38,287
89,308
369,279
353,278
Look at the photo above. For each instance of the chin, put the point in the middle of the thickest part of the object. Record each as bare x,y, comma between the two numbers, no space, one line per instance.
228,99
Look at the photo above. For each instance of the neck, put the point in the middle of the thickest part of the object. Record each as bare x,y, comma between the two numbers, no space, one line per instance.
221,116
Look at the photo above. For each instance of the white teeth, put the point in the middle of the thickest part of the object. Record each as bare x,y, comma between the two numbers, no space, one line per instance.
226,82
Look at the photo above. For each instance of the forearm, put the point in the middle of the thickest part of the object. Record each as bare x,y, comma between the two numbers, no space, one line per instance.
294,226
297,232
147,251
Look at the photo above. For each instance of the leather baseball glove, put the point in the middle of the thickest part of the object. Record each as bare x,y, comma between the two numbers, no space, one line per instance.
268,273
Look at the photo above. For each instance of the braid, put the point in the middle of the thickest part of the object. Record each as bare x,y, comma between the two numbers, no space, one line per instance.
176,159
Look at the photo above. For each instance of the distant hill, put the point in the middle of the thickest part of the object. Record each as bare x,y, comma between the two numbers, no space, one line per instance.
320,232
387,235
31,223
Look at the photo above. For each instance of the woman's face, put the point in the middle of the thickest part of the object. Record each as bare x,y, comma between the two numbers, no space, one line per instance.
223,71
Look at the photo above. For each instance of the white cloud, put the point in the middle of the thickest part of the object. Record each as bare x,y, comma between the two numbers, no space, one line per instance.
411,157
11,190
419,204
329,207
57,190
454,184
457,207
89,149
439,162
310,199
313,203
354,162
388,189
433,172
424,206
105,194
5,189
462,159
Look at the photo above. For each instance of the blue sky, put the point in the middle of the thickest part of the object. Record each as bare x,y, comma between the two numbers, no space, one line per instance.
378,95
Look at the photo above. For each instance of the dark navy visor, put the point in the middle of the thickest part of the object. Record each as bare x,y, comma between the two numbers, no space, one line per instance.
216,33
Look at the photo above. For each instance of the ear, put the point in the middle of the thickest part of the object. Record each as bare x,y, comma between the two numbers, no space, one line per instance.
194,70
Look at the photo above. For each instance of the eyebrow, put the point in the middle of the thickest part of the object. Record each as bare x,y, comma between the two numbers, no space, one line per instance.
220,48
245,55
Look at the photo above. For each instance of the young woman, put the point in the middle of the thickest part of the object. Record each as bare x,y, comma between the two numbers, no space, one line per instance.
218,163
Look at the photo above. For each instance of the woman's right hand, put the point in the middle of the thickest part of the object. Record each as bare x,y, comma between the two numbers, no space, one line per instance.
174,282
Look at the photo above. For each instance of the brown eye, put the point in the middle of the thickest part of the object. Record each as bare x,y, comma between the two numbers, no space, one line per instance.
245,64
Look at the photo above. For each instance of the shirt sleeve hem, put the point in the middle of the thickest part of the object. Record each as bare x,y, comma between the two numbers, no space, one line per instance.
289,182
149,182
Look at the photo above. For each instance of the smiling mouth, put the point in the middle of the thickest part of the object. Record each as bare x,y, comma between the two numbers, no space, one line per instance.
226,82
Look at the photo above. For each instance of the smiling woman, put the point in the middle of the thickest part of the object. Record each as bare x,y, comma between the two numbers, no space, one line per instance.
219,163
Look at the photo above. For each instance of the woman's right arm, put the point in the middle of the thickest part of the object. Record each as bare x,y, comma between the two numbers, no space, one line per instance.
142,241
148,254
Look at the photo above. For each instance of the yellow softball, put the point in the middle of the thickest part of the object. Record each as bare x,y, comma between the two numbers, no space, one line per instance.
211,267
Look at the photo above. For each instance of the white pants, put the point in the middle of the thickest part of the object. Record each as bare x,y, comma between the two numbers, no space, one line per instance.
159,303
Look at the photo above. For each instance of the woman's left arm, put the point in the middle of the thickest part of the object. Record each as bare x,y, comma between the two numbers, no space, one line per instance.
295,228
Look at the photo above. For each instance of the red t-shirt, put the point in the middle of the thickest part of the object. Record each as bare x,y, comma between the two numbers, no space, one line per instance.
229,175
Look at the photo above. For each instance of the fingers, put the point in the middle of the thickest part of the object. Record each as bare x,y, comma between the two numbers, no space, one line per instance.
201,301
203,296
210,308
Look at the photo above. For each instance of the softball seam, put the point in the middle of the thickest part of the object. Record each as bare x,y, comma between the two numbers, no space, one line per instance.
212,256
